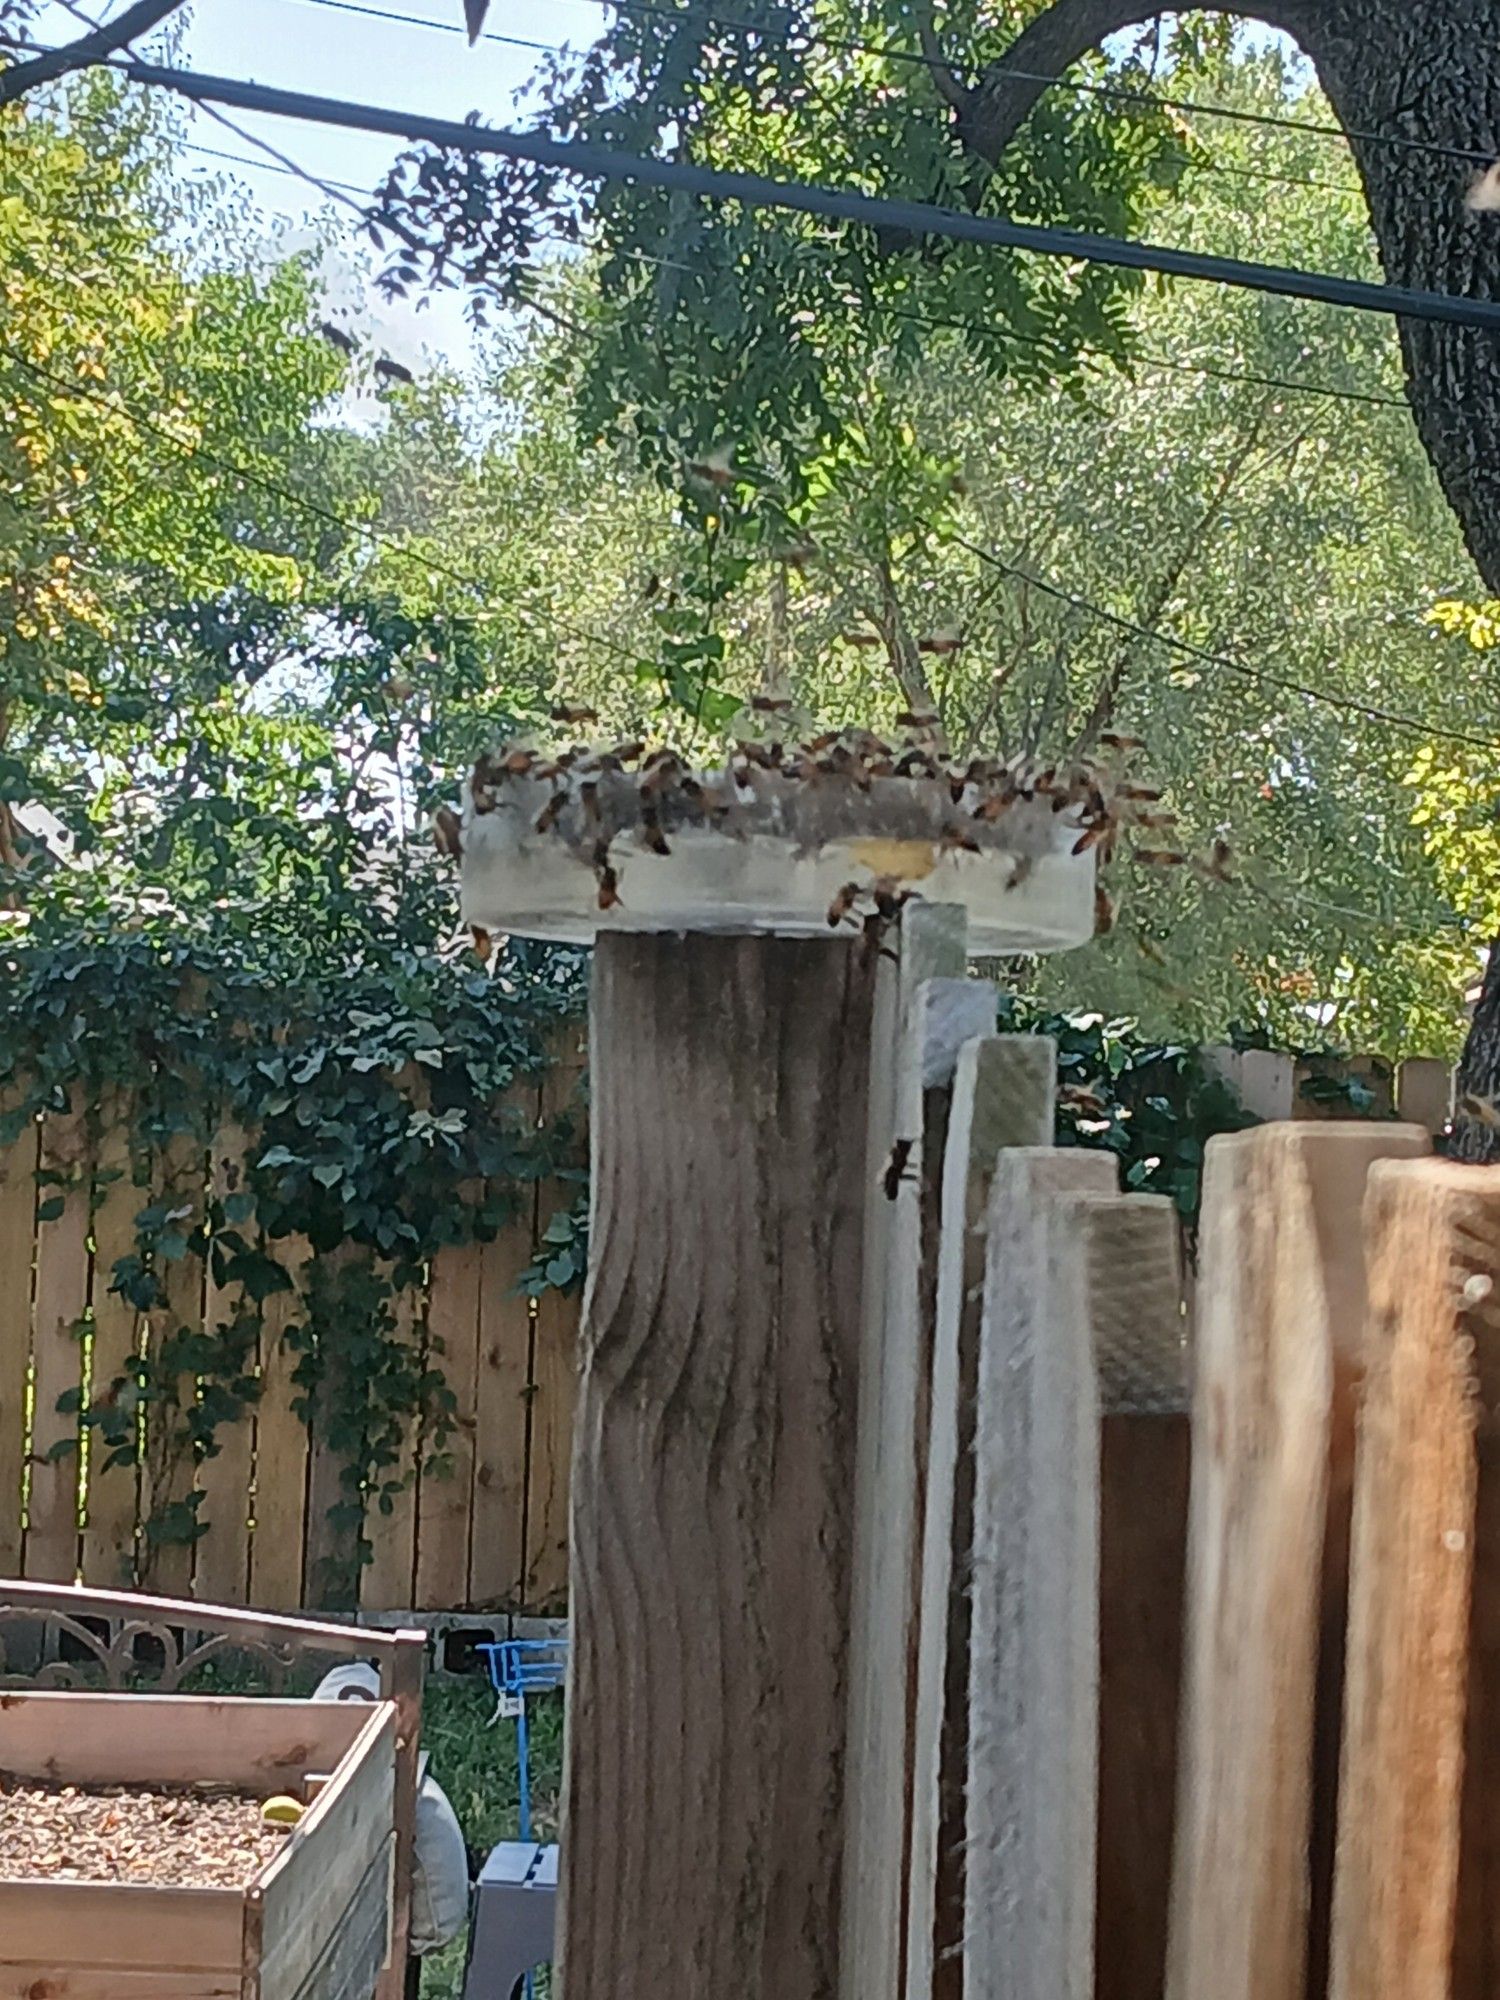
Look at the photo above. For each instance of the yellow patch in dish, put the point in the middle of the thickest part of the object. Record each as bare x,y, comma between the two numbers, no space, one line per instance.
906,860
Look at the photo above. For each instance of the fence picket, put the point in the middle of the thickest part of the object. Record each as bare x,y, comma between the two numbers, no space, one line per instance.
444,1497
112,1494
501,1419
280,1447
18,1165
388,1580
221,1559
554,1379
62,1297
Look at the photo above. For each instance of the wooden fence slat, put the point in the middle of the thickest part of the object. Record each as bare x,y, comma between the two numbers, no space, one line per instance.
112,1494
1279,1346
894,1383
1003,1095
280,1446
221,1560
554,1379
334,1524
1144,1458
1028,1925
496,1555
179,1178
18,1165
388,1580
1419,1808
62,1297
1424,1092
443,1503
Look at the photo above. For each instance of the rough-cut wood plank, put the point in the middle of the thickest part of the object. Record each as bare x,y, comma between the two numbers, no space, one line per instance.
221,1561
130,1739
1003,1095
1267,1083
307,1889
554,1379
1279,1349
112,1495
280,1446
18,1165
345,1282
112,1928
388,1581
166,1550
28,1981
500,1415
1033,1651
714,1474
443,1516
1424,1092
1419,1813
930,945
1374,1074
1137,1326
357,1947
62,1296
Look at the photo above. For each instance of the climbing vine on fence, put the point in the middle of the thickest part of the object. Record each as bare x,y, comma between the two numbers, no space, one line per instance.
379,1110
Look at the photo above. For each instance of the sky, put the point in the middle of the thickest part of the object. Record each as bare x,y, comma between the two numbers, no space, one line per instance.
315,46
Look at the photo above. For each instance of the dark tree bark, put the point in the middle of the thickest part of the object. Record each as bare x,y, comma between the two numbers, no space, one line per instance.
1426,70
95,47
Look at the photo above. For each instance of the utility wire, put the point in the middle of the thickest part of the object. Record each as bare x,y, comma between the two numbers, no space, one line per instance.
116,405
560,48
913,218
1393,718
790,31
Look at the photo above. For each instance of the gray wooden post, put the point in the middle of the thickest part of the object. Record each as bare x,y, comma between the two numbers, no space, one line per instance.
714,1470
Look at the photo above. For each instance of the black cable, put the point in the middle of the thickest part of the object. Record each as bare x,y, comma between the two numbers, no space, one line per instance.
558,48
116,405
916,219
1349,703
845,45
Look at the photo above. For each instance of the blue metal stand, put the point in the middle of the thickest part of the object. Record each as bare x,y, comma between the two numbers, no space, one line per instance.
518,1668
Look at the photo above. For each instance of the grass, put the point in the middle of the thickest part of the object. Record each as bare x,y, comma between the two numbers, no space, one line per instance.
476,1766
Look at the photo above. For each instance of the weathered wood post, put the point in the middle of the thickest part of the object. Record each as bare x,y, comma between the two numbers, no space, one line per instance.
747,1477
714,1468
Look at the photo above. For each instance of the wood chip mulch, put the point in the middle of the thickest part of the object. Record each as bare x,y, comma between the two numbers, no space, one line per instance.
187,1839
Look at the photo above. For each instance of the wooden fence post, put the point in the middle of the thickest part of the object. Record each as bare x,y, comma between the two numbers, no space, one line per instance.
713,1476
1279,1349
112,1498
1414,1913
1028,1888
893,1379
18,1167
1138,1327
1003,1095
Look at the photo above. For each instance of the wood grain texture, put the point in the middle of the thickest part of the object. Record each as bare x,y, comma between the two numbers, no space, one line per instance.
266,1746
112,1493
221,1560
75,1938
18,1165
496,1561
1419,1817
387,1581
443,1502
180,1179
62,1296
1028,1891
930,951
1279,1353
1003,1095
554,1375
1137,1325
280,1446
713,1478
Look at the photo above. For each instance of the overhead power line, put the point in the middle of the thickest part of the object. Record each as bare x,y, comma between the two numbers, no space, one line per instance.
593,162
791,31
1225,662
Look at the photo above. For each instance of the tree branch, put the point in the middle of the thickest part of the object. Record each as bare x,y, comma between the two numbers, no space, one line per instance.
95,47
1048,47
948,86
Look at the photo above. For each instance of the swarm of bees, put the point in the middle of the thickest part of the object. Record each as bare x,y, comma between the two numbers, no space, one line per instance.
811,785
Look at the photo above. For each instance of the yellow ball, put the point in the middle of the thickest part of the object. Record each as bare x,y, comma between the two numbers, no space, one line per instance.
282,1811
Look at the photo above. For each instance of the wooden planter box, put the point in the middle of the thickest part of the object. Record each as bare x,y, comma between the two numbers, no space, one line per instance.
316,1924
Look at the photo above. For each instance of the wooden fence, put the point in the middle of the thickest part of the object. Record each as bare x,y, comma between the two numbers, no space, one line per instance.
489,1531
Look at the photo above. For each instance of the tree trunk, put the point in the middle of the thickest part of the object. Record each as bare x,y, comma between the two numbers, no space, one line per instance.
1424,70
